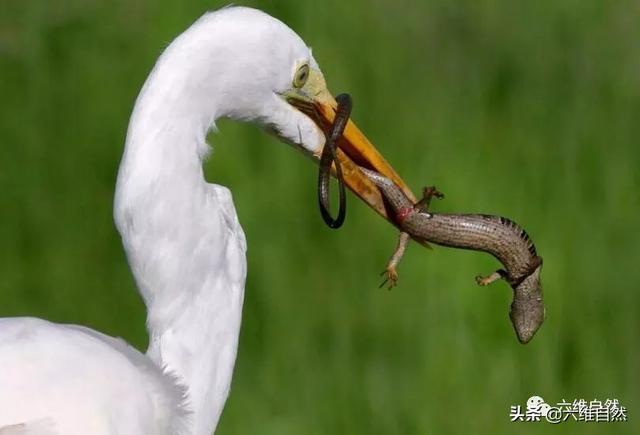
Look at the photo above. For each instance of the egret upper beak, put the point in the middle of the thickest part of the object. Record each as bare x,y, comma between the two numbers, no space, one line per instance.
354,149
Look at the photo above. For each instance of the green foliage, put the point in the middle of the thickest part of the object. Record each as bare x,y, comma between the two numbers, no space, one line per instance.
524,109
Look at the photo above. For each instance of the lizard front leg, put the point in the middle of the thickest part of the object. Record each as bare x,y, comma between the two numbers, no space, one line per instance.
498,274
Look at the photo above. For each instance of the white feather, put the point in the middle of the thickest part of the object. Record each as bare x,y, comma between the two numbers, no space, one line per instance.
183,241
44,426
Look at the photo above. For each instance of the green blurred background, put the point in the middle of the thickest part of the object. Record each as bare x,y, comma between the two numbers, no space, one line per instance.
525,109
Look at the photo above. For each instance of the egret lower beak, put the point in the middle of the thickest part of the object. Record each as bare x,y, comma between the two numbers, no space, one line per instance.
354,149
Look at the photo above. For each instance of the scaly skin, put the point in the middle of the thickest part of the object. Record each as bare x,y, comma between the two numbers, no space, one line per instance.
498,236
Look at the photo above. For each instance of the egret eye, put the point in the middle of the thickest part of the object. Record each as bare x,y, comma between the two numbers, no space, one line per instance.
301,76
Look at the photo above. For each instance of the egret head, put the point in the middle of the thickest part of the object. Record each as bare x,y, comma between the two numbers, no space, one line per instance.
243,64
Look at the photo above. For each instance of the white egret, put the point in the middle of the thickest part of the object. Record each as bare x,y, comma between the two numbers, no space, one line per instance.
183,241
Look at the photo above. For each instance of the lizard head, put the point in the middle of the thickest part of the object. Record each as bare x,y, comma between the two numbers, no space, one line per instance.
527,309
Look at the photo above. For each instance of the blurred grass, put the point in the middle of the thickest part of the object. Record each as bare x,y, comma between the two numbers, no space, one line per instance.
526,109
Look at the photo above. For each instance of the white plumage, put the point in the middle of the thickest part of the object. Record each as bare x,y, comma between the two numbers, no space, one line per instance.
183,241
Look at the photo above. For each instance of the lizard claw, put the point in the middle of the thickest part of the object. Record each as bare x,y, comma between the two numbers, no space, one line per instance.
480,280
432,192
391,277
427,193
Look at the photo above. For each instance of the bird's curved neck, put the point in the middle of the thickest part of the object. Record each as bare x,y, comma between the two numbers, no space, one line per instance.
188,265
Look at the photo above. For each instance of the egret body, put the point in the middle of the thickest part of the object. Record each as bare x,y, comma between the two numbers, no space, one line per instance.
182,238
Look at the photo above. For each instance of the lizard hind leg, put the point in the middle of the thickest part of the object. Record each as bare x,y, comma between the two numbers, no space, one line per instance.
428,193
390,273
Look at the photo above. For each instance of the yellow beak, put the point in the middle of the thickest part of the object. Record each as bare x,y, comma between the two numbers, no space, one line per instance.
354,149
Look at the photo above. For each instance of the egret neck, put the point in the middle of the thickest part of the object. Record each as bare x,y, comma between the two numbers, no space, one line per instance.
182,239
